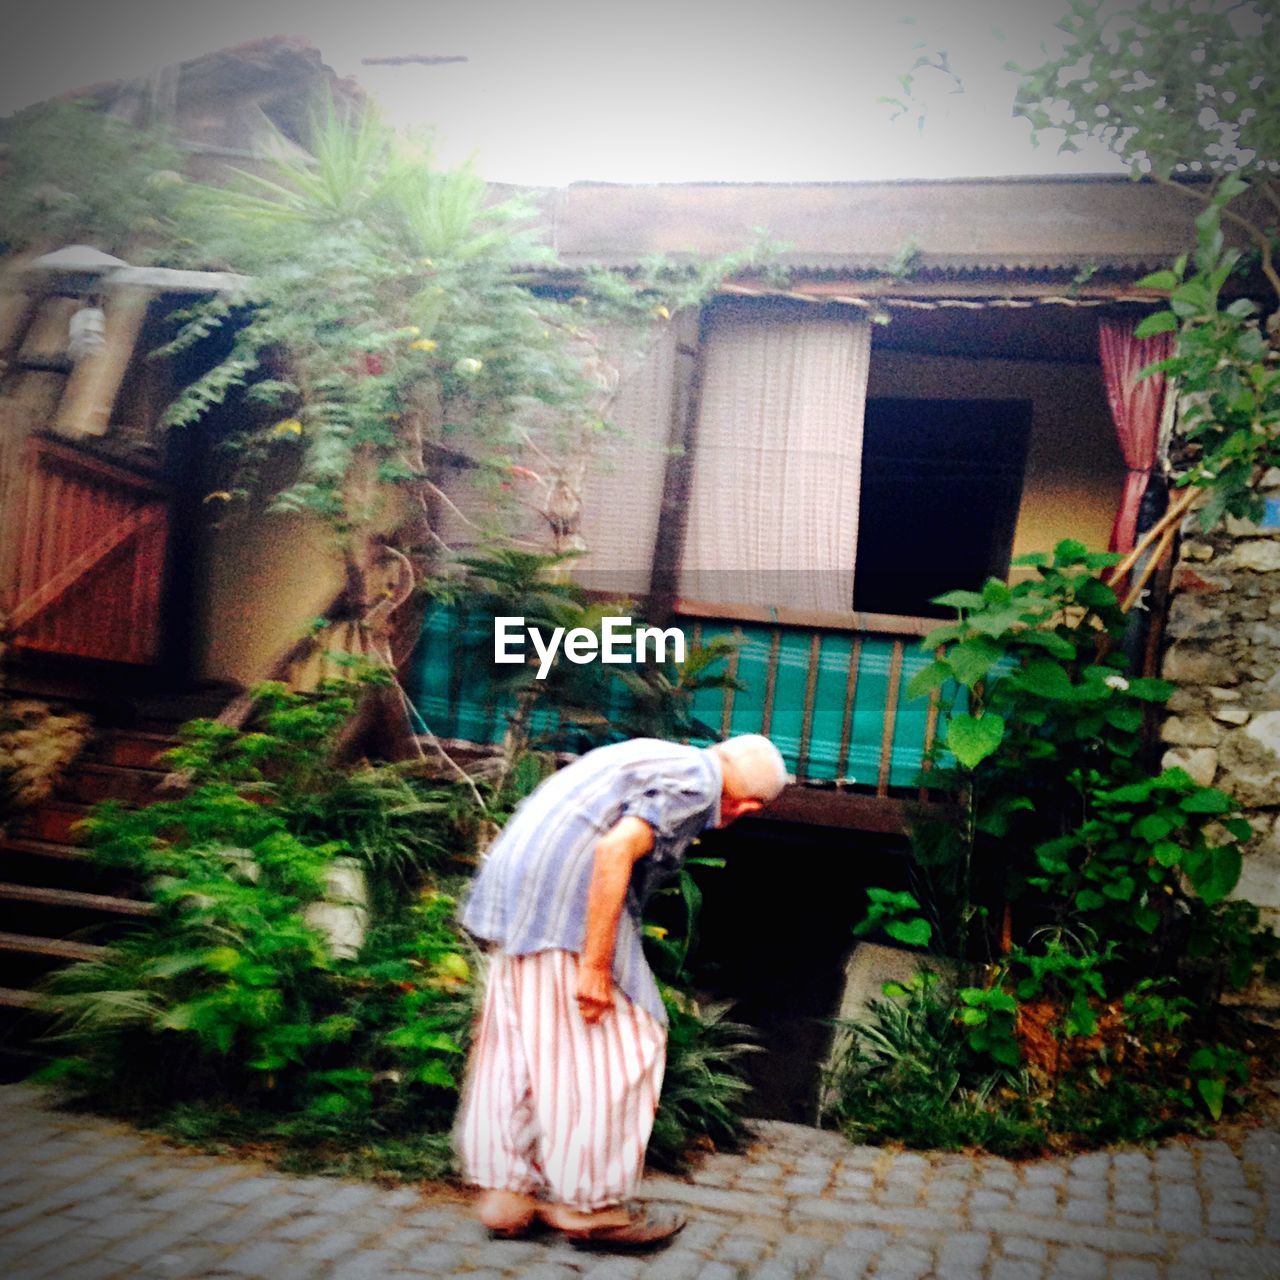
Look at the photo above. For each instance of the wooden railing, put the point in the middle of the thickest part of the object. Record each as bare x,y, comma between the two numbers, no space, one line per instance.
832,691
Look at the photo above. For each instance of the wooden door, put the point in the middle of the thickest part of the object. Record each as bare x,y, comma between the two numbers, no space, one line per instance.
91,558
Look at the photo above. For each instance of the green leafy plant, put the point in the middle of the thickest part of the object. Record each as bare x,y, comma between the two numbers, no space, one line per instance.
988,1015
910,1074
1212,1069
1079,880
897,914
234,992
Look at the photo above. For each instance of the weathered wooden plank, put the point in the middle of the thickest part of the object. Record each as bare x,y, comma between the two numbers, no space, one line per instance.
115,539
686,406
869,623
930,733
850,693
72,898
890,718
95,381
771,681
726,718
59,947
850,810
806,719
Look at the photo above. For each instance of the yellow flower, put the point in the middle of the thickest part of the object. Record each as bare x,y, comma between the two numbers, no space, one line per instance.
413,331
655,931
220,495
423,344
661,313
287,427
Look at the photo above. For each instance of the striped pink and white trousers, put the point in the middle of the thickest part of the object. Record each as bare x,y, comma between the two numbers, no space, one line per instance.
553,1104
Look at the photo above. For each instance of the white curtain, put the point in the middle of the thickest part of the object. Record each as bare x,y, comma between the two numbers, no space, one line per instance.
773,512
622,489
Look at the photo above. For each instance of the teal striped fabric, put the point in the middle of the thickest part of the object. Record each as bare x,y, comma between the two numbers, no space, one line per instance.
449,686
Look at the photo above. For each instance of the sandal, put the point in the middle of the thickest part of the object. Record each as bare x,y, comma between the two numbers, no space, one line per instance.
648,1229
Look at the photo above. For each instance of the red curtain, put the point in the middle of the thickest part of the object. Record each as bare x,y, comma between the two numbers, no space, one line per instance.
1136,408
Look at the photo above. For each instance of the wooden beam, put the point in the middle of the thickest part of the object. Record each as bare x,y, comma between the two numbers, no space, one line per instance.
95,381
58,947
726,719
849,810
771,681
850,695
72,898
890,718
852,810
870,623
57,454
806,719
686,406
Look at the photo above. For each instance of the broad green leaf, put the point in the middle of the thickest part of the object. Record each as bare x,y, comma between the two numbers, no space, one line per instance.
1124,716
1046,679
1220,873
1090,900
1153,828
1239,828
1005,1052
1165,280
1159,322
1133,793
1032,560
959,600
434,1073
1150,690
971,739
929,678
995,622
972,659
1068,552
945,634
1055,645
1167,853
1146,917
912,933
1207,800
1119,890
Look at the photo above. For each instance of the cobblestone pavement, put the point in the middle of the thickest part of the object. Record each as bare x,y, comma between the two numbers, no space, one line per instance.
85,1199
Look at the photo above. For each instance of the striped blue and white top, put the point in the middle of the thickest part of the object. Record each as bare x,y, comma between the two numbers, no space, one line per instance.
530,893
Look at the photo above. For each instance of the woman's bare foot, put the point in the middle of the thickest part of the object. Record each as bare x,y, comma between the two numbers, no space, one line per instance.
563,1218
506,1213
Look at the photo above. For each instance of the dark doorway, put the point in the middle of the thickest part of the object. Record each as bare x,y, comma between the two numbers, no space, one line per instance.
941,486
775,930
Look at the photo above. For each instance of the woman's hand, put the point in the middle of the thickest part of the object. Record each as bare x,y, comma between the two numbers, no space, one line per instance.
595,993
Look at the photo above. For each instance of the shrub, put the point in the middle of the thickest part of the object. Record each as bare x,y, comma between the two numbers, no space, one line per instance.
233,994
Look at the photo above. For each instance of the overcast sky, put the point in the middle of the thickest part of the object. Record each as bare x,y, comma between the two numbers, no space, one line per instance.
559,90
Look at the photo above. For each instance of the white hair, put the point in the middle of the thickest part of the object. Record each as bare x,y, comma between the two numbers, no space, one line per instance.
757,763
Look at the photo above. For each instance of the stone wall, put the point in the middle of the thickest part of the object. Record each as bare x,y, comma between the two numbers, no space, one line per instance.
1223,653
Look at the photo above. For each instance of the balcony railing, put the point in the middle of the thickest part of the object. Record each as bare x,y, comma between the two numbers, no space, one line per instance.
829,689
